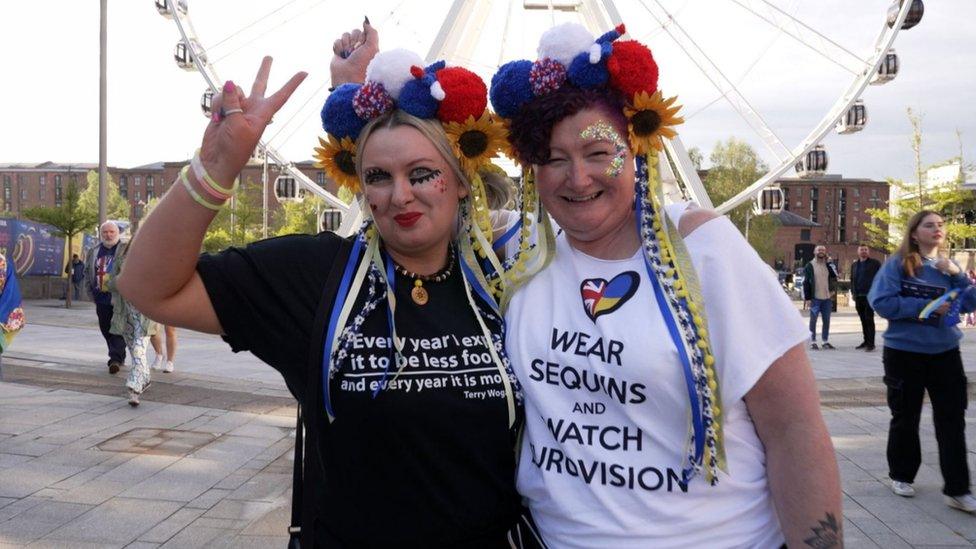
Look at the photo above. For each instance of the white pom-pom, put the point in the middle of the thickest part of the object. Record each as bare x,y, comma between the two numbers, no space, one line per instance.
564,42
595,52
392,69
437,91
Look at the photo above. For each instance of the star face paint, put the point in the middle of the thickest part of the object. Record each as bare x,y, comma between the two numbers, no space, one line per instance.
603,130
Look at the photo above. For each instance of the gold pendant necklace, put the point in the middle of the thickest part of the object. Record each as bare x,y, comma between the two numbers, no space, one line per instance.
418,293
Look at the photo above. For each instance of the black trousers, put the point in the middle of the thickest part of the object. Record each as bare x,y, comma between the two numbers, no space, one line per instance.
116,345
908,375
866,314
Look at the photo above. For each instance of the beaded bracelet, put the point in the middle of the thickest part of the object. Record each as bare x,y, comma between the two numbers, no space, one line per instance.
206,181
194,194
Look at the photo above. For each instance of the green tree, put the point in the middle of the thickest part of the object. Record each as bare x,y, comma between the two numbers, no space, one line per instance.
239,222
735,165
117,207
696,157
300,217
68,220
909,197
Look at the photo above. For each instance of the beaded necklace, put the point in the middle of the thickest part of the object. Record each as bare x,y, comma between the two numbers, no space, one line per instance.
418,294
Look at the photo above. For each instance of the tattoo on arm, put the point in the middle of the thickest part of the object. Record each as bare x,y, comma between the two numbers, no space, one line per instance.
825,534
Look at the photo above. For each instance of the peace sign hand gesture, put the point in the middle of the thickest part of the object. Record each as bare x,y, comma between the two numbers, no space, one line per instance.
238,122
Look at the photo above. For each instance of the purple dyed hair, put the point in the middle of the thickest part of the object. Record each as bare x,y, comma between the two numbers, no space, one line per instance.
530,131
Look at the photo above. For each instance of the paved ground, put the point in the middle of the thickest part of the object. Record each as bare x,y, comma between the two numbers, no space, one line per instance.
206,459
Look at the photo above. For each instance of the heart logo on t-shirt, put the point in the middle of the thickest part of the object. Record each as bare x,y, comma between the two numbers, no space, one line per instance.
602,298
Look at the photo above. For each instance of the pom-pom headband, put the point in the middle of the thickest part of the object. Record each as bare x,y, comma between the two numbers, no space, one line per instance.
397,79
570,56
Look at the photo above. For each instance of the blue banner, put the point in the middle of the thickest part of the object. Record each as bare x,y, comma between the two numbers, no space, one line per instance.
31,247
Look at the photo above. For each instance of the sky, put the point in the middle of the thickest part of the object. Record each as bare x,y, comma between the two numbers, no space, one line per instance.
50,98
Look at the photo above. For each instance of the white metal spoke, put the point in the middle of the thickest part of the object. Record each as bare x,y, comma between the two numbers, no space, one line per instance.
271,29
828,49
721,82
251,24
315,95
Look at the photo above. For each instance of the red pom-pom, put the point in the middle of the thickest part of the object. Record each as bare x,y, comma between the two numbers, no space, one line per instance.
465,95
632,68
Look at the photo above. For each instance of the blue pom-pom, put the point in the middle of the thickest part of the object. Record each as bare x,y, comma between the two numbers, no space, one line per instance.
415,98
338,116
511,88
588,75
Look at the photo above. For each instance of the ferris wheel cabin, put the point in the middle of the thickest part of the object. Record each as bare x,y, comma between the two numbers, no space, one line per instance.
814,164
887,70
915,13
855,119
287,189
165,7
206,102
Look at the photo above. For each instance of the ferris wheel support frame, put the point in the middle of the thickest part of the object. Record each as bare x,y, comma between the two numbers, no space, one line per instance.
839,109
351,214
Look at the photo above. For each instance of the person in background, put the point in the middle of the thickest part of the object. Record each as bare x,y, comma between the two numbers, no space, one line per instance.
164,359
135,329
819,285
98,270
863,272
75,269
922,354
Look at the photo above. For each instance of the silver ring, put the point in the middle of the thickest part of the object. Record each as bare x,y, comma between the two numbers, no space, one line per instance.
224,114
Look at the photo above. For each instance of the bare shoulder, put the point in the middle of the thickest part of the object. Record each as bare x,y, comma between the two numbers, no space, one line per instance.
695,217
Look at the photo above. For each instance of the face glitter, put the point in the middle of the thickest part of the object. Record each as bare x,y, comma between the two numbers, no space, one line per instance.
604,130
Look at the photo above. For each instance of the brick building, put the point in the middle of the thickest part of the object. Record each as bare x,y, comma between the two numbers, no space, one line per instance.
835,209
44,184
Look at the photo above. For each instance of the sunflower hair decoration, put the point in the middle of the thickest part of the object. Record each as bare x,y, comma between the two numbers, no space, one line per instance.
338,158
651,118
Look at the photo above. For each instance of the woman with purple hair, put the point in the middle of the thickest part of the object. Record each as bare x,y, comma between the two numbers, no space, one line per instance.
669,399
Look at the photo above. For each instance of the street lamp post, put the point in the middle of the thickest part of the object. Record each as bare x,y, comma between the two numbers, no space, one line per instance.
102,111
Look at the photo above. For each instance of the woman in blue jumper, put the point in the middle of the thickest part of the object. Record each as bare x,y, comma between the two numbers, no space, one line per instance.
923,354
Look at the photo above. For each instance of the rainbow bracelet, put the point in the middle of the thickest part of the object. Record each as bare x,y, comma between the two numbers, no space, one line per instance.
208,182
194,194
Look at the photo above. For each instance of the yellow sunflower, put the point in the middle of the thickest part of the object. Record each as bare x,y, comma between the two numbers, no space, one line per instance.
476,142
650,119
338,159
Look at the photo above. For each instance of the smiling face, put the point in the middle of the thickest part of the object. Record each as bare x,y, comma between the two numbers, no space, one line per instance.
588,184
411,190
930,233
820,252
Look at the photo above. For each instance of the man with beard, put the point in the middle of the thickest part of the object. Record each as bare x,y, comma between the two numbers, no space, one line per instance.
819,284
98,269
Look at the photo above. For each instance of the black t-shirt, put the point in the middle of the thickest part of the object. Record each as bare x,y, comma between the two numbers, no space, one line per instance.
430,460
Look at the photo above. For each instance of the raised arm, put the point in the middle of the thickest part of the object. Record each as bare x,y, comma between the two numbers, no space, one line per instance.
160,278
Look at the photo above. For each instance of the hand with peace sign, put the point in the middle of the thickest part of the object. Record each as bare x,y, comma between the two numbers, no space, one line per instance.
238,122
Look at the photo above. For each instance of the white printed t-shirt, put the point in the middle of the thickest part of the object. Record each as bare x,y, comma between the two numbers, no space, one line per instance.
607,406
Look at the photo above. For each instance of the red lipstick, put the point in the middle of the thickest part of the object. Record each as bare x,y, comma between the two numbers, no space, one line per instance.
407,219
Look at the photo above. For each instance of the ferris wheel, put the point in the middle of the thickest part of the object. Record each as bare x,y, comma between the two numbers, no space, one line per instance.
728,60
